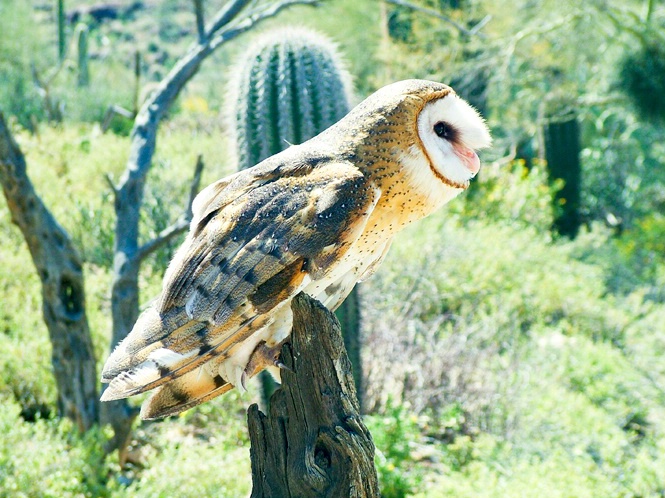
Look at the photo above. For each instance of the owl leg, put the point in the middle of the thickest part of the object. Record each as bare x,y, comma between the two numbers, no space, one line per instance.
264,356
238,378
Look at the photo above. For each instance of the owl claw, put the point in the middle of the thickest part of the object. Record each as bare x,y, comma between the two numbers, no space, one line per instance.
282,366
239,379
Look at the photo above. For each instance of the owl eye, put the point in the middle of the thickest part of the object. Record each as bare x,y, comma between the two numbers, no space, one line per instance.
444,130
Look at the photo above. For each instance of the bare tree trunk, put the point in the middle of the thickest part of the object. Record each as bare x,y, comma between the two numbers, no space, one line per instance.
63,296
128,253
313,443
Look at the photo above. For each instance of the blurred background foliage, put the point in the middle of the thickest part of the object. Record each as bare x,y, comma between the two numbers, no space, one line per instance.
500,358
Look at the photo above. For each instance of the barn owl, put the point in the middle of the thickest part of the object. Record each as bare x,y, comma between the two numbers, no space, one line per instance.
318,218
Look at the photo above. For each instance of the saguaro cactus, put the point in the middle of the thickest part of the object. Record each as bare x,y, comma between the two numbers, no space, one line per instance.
82,42
290,86
60,14
561,136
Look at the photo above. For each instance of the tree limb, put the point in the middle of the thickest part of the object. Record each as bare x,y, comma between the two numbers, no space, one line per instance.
251,20
649,11
53,109
224,16
200,22
194,186
111,184
162,238
181,224
481,24
511,47
430,12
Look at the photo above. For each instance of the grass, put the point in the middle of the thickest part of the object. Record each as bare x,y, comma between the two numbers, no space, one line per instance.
510,368
500,361
553,391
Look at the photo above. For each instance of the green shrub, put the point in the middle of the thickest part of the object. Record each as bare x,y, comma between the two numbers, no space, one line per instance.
642,78
209,445
25,351
509,193
395,433
18,95
49,458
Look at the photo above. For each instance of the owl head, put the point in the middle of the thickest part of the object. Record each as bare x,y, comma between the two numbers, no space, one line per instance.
435,132
450,133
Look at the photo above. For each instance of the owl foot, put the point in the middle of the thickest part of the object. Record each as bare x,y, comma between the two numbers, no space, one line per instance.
239,379
282,366
264,356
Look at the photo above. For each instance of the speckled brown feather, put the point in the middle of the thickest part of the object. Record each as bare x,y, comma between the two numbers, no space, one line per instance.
237,271
261,235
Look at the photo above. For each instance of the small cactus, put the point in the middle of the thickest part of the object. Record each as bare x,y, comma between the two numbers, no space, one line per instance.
561,134
62,42
137,82
291,86
82,42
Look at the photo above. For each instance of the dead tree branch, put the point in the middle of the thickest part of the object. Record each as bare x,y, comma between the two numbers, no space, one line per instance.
313,442
52,106
60,270
194,186
181,224
200,21
111,112
431,12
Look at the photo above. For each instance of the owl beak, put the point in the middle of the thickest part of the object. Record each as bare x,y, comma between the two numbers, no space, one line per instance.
468,157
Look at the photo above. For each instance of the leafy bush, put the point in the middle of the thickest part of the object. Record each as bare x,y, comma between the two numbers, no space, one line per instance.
209,444
642,77
25,350
395,434
623,178
510,193
48,458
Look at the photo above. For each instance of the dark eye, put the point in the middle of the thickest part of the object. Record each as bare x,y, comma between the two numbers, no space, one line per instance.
444,130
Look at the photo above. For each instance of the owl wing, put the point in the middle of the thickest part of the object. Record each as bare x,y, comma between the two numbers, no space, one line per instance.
256,239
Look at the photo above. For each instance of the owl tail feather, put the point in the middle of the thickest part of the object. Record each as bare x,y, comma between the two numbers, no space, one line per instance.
132,370
185,392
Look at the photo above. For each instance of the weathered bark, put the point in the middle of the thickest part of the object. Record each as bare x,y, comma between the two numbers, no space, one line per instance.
60,270
313,442
128,253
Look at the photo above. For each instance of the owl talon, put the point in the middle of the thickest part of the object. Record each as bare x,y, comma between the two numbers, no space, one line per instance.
282,366
239,379
243,381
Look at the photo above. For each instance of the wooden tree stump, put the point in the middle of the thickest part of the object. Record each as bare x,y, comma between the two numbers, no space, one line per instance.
313,441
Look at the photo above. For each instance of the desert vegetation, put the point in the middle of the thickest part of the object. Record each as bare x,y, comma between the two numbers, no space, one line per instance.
512,344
